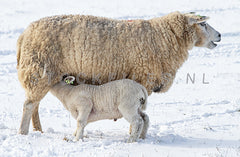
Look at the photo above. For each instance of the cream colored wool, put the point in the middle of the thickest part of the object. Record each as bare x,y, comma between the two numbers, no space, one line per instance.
147,51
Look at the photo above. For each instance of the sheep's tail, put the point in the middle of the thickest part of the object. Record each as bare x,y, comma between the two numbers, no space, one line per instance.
19,45
144,101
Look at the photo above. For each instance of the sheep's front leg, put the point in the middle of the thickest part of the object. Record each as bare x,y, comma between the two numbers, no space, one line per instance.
84,110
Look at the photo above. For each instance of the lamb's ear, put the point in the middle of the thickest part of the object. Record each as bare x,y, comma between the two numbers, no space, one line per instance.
69,79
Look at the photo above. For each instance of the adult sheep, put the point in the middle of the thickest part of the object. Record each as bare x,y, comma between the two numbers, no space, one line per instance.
99,50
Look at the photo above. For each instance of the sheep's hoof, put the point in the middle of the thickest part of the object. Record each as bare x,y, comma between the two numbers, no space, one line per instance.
38,129
131,140
78,139
142,136
23,132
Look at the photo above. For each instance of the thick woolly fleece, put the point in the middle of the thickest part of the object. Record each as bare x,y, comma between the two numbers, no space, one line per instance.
99,50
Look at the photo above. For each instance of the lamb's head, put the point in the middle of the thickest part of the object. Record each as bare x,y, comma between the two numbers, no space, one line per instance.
204,34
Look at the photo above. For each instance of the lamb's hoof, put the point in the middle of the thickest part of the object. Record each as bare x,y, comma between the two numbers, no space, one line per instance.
66,139
74,134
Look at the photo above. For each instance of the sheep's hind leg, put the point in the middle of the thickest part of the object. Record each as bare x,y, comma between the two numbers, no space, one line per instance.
84,110
35,119
136,121
145,125
28,108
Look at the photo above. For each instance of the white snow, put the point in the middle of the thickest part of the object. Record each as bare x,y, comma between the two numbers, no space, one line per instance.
200,119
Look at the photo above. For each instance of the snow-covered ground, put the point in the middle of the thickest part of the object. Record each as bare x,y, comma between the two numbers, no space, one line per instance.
200,119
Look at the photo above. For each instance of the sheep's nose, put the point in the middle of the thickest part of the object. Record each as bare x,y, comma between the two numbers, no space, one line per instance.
219,37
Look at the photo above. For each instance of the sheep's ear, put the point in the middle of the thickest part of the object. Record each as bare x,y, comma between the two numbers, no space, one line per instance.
197,19
190,13
192,21
201,19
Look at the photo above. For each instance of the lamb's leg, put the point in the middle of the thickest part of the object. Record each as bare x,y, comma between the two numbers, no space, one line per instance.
133,117
84,109
35,119
75,116
81,123
137,126
130,129
145,125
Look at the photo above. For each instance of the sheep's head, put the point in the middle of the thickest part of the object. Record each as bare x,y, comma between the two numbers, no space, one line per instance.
205,35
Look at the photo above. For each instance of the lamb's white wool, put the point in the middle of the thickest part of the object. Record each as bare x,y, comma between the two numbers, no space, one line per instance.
122,98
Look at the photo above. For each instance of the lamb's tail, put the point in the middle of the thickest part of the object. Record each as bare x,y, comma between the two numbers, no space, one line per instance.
144,99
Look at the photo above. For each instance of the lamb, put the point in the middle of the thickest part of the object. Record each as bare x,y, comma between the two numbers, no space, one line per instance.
88,103
97,50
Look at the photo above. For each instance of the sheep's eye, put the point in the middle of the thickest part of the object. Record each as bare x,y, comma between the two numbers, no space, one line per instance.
203,24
